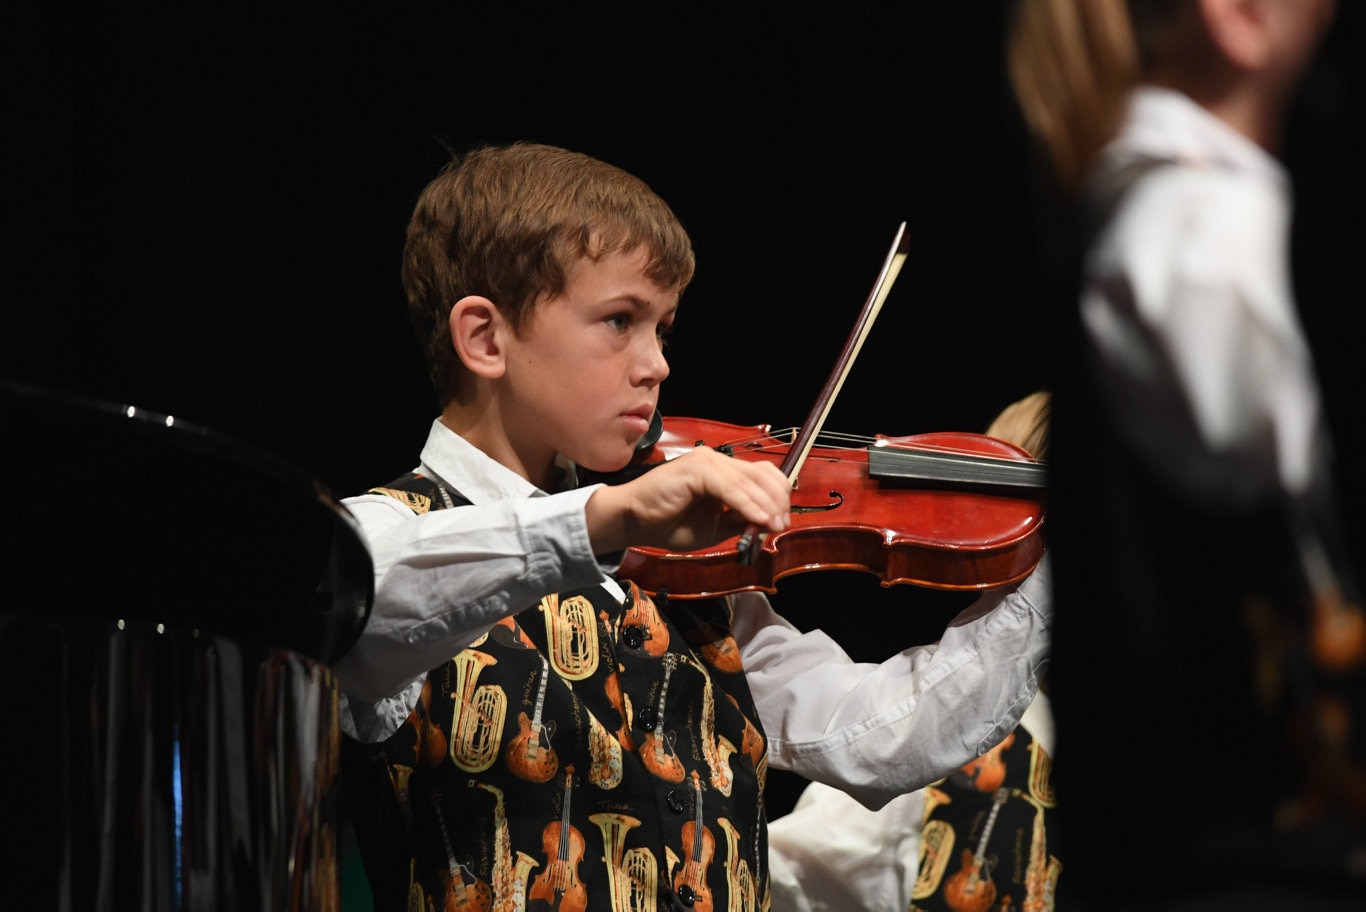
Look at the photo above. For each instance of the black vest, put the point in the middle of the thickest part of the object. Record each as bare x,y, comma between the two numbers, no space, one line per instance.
583,754
985,842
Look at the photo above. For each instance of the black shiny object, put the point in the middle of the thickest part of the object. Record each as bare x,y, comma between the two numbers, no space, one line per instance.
637,467
674,802
199,530
645,719
176,600
168,771
633,637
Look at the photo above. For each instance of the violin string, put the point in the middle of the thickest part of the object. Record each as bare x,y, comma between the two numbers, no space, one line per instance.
773,442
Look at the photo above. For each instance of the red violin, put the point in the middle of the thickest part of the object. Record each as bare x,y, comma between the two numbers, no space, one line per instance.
944,510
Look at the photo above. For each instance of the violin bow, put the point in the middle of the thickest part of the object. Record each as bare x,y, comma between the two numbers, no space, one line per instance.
791,466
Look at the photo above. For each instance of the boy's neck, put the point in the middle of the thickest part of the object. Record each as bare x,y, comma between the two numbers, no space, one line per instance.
482,429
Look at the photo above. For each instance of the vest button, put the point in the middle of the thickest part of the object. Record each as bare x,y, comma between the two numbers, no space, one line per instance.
633,636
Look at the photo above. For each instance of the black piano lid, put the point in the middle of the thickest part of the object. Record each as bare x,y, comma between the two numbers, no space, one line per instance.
115,512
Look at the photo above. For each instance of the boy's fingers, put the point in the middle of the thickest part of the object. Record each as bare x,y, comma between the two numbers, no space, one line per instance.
757,490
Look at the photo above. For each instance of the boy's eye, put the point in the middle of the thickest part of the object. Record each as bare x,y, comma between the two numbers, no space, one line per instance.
622,323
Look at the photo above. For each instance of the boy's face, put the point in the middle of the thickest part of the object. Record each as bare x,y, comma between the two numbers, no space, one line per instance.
584,374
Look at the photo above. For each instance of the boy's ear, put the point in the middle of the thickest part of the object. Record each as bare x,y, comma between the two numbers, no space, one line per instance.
1238,29
476,330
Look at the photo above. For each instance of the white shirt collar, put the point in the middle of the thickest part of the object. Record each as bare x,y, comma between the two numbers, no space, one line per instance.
462,467
1164,123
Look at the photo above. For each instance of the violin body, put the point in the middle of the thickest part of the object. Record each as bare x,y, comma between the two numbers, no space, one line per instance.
939,533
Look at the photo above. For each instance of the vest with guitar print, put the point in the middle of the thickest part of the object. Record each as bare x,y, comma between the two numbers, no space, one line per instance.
984,845
584,754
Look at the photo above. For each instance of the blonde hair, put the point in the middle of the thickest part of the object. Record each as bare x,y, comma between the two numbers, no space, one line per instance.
1025,423
1071,64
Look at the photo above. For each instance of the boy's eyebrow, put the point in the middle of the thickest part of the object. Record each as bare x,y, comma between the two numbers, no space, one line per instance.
640,303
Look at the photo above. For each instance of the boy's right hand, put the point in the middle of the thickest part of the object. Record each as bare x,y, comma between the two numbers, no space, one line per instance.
692,501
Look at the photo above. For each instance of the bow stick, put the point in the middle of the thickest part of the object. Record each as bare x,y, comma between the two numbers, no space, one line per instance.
801,446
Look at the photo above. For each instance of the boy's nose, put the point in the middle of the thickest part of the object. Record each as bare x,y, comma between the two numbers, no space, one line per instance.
655,365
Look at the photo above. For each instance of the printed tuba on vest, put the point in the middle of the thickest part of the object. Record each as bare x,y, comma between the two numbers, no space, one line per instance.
477,721
633,875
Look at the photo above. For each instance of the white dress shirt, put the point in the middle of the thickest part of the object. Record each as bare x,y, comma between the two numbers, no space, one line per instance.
1189,308
877,730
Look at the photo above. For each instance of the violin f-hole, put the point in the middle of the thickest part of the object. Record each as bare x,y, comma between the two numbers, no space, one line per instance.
837,501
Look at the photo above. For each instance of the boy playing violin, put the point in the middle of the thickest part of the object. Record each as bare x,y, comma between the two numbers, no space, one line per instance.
527,726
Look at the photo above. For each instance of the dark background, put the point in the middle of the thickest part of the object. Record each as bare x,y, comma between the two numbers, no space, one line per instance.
204,210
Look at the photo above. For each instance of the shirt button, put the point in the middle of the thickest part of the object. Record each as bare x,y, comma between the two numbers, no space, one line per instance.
674,802
645,719
687,894
633,637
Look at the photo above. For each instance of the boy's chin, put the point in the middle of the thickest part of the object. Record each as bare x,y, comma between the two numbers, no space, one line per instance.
609,466
610,471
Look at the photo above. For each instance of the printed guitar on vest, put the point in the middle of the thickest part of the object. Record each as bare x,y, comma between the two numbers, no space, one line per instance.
971,888
656,748
529,754
460,896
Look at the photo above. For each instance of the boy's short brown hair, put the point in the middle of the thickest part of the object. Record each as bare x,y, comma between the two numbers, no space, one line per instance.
507,222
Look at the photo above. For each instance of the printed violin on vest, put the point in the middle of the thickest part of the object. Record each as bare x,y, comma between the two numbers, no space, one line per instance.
559,883
691,880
